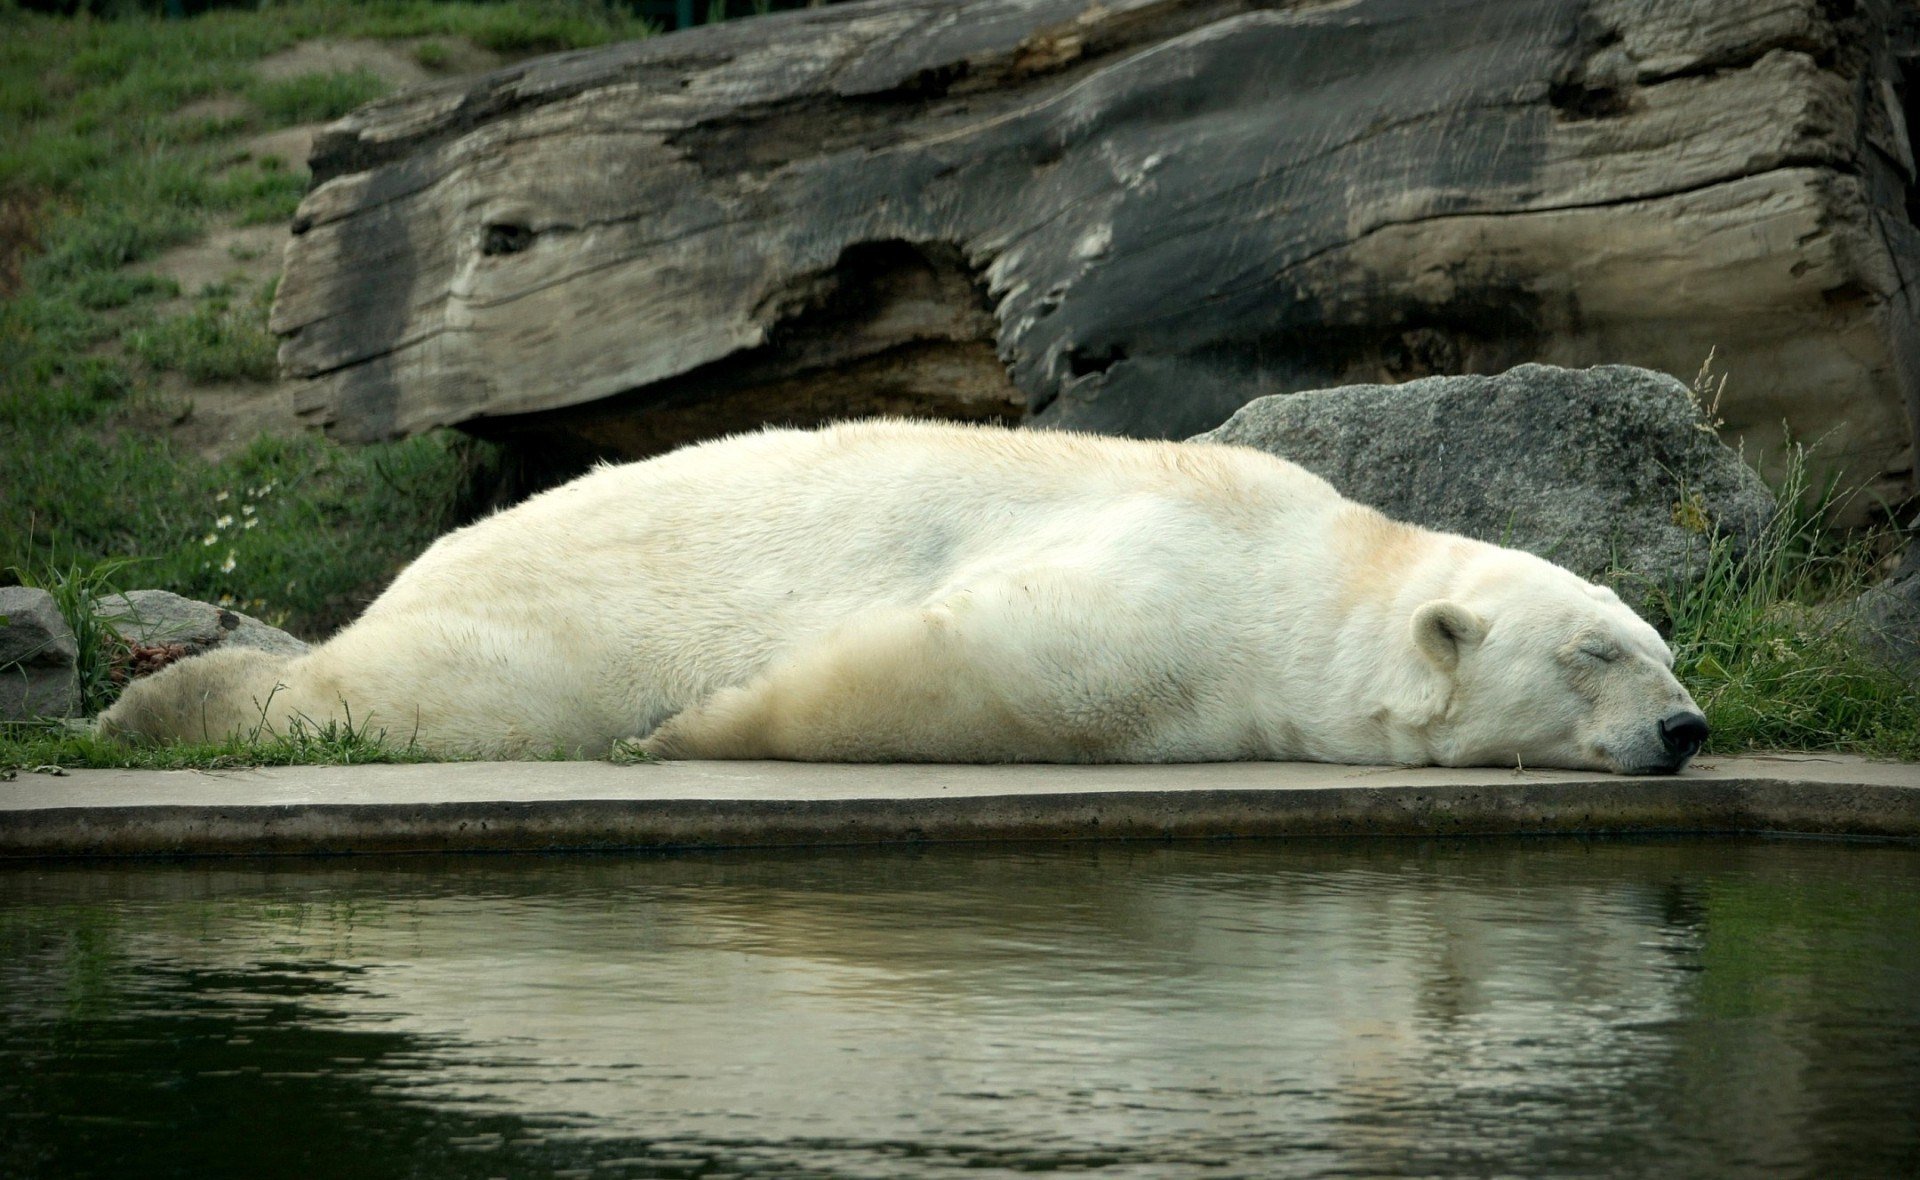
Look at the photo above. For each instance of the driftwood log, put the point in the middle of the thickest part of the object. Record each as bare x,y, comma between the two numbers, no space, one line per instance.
1125,215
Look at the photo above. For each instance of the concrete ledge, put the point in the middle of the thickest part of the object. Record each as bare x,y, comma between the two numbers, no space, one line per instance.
555,806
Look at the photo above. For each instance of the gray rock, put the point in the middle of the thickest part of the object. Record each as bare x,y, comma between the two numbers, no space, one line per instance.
38,657
1886,619
1600,470
157,617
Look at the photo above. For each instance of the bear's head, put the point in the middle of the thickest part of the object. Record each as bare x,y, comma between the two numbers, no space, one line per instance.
1542,668
210,697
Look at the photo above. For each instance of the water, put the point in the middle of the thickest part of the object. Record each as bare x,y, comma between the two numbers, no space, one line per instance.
1522,1008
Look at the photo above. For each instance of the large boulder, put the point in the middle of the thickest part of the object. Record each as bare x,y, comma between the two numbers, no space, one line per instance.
1606,471
163,620
1130,216
38,657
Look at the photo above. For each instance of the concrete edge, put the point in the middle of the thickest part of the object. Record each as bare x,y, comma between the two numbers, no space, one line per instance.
1782,804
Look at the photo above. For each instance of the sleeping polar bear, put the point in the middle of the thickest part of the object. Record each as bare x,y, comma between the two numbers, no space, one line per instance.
891,590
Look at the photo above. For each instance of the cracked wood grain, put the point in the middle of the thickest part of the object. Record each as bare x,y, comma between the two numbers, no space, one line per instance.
1128,217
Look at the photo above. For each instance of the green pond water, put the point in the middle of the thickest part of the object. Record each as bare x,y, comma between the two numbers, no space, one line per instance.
1499,1008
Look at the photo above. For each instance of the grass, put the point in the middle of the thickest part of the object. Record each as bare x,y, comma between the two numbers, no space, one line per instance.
1760,637
75,591
122,139
310,98
258,192
217,341
52,748
56,748
296,531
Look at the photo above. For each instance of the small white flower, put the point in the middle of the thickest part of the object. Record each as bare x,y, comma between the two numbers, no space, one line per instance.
226,567
210,539
223,522
226,600
220,496
246,510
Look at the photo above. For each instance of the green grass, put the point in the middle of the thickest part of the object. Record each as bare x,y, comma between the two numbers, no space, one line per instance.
46,748
58,747
297,531
75,591
119,140
258,192
434,55
310,98
221,340
1761,640
106,290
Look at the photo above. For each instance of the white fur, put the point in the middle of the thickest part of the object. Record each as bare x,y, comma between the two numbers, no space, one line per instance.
892,590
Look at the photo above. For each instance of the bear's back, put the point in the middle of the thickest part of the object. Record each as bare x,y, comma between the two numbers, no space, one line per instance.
813,521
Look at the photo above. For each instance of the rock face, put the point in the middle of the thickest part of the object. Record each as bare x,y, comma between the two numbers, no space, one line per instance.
1131,216
38,655
157,618
1596,469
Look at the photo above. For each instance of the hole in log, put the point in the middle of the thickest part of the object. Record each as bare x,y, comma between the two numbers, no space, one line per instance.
889,328
1578,102
1080,364
1851,295
930,83
505,239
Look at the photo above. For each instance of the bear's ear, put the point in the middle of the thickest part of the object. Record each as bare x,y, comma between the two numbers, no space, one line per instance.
1443,630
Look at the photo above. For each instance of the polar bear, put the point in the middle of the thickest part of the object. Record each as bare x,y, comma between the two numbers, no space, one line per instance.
891,590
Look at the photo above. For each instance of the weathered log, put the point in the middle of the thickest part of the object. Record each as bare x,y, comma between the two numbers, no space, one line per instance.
1126,215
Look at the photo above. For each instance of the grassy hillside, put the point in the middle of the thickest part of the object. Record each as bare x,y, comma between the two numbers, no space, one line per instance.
121,141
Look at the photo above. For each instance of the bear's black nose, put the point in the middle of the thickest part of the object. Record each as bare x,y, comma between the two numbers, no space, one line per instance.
1684,732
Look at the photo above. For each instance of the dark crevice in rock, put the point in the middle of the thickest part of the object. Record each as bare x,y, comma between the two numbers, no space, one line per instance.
960,381
890,328
1848,296
1082,363
1578,101
890,287
505,239
1489,330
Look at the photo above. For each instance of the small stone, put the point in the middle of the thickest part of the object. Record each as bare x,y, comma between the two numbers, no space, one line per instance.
39,676
160,619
